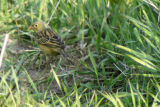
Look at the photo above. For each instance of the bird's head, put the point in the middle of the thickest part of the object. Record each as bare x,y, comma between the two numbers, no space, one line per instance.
38,26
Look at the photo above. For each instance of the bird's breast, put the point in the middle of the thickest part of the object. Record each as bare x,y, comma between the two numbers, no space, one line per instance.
48,50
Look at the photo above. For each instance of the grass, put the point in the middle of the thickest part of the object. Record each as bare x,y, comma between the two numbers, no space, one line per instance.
116,44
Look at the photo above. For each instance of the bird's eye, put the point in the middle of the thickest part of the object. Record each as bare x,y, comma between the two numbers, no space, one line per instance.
35,25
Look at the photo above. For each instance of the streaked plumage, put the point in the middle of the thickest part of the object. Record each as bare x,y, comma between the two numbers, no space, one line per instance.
48,41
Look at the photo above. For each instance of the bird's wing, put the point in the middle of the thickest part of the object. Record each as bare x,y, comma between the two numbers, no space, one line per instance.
40,38
49,38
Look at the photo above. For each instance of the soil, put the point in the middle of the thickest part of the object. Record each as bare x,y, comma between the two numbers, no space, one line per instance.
42,75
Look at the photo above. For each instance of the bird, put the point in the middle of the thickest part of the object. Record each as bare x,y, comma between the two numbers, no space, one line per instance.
48,40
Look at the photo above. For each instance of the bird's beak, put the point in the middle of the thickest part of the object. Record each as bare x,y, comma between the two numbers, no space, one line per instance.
30,28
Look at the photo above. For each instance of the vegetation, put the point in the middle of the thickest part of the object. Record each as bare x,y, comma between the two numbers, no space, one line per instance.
115,45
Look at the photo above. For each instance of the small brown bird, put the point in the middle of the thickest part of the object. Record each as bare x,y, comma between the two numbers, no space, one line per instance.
47,40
